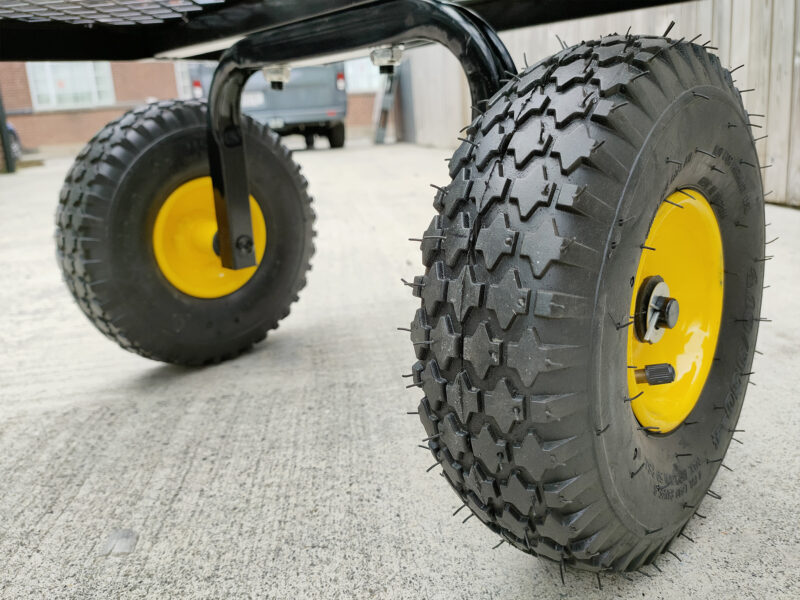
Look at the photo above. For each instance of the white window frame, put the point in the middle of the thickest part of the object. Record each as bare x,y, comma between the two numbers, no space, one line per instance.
51,91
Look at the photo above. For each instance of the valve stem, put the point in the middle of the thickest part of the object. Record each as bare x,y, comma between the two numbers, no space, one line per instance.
657,374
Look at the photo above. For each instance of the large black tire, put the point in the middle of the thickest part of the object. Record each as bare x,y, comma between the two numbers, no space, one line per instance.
105,220
527,290
336,135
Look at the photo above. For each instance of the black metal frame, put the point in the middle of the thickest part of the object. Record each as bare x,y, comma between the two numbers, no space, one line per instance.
281,31
478,48
23,39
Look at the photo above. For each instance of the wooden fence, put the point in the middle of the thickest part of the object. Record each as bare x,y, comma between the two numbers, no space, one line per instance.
762,35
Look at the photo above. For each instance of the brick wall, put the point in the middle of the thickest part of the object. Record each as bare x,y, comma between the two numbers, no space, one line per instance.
14,86
359,114
359,110
134,83
62,127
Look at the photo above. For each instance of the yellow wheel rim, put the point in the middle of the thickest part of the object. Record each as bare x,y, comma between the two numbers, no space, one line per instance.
684,248
183,242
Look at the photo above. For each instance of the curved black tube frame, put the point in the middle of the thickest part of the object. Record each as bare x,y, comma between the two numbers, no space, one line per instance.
478,48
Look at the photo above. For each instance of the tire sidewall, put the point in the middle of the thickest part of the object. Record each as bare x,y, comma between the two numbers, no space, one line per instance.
647,485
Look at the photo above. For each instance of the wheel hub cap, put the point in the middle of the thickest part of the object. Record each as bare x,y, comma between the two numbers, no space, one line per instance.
677,309
184,242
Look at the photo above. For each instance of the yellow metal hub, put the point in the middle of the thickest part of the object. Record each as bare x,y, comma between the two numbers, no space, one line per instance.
684,248
183,242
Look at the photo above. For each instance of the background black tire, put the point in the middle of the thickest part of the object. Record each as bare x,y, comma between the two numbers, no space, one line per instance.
105,218
16,146
521,336
336,135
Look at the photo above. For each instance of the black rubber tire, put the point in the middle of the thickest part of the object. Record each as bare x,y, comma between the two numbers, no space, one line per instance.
16,146
336,135
105,219
521,336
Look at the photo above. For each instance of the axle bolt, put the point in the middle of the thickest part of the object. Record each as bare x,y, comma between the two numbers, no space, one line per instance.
244,244
656,310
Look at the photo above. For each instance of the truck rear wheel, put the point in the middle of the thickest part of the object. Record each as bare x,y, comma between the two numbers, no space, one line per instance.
591,300
136,235
336,135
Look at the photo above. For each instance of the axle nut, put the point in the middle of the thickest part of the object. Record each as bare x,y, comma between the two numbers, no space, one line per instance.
668,311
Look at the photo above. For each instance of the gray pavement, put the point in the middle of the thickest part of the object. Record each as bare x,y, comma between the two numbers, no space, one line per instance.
293,471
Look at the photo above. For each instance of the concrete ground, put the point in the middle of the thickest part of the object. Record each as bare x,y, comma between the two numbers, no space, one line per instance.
293,471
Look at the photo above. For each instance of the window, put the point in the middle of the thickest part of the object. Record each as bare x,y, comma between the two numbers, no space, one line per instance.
362,76
59,85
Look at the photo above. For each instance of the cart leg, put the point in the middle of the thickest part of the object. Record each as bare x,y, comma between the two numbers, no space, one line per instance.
481,53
